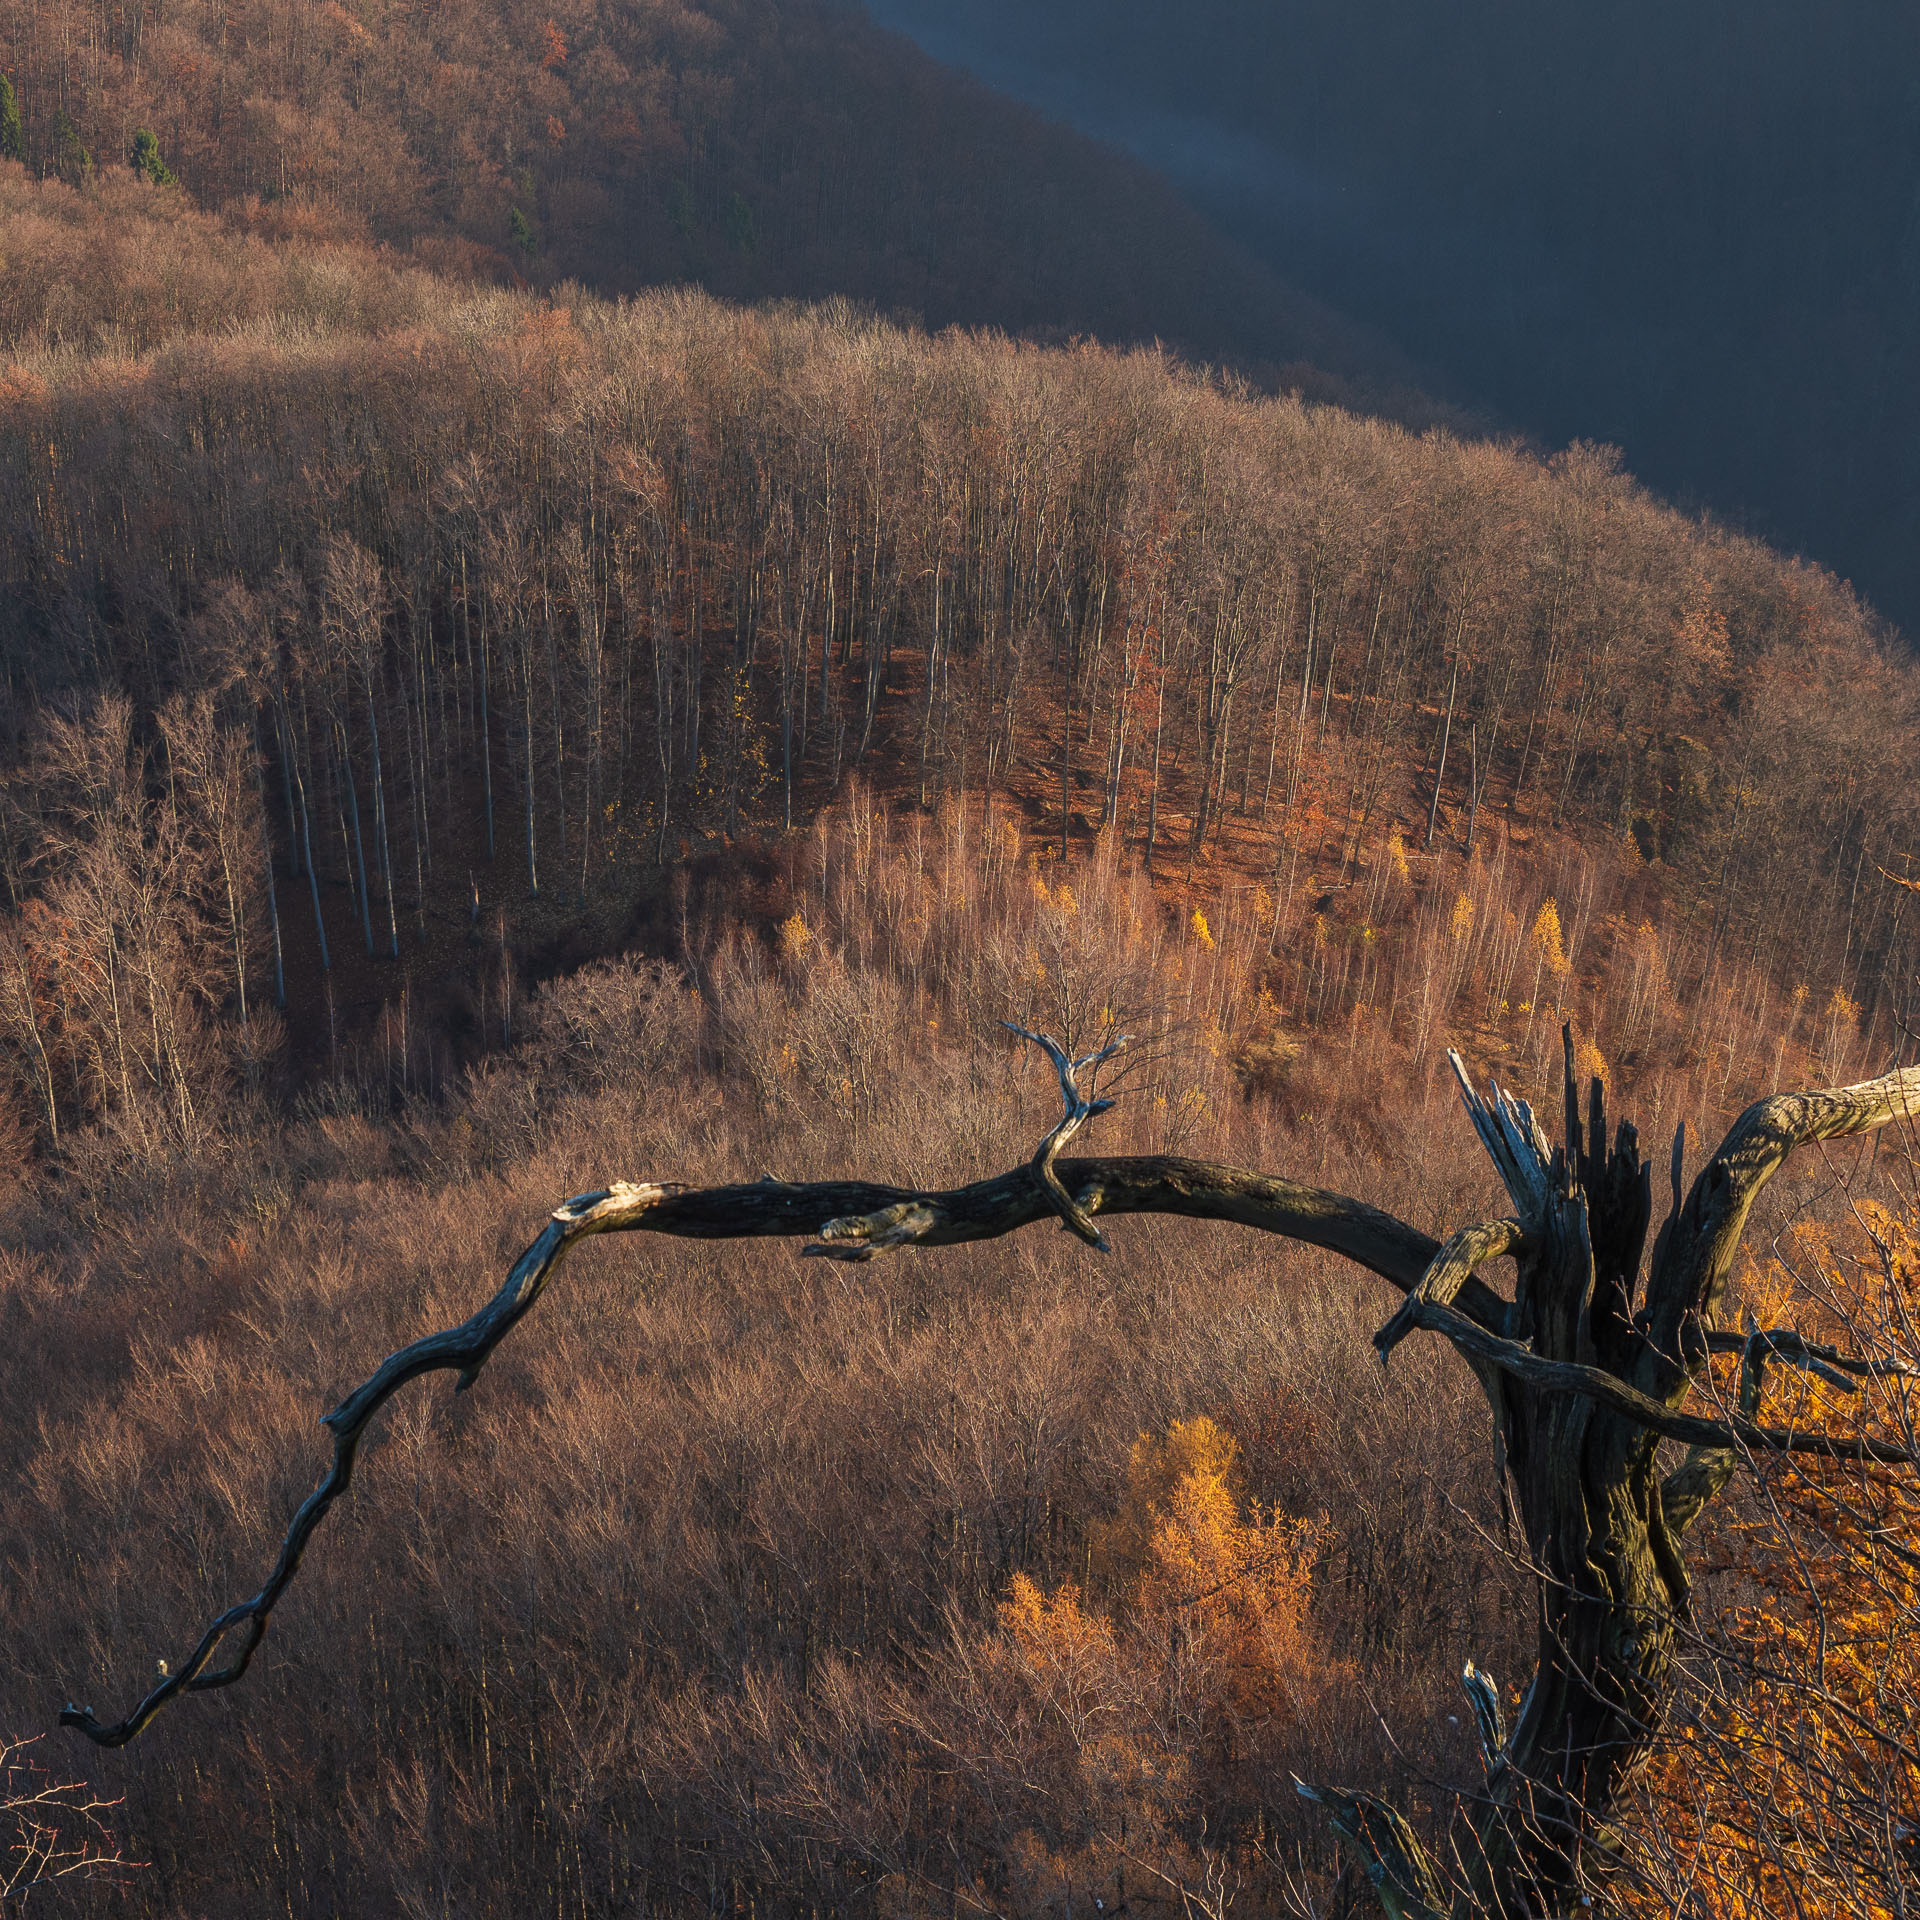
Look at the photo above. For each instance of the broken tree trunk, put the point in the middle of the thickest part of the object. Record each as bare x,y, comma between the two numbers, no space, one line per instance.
1584,1368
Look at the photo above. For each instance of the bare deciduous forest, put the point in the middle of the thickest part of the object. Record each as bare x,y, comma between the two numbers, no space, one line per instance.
463,743
1668,223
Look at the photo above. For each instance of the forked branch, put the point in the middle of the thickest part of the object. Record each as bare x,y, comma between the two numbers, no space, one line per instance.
1079,1110
1452,1268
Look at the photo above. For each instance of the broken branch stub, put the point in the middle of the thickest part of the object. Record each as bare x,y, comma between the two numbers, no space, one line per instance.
1079,1110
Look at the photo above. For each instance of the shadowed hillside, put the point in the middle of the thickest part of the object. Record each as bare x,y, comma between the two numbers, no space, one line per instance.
1684,228
756,149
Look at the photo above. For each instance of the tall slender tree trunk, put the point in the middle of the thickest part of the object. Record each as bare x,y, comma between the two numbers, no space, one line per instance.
380,827
1446,735
343,763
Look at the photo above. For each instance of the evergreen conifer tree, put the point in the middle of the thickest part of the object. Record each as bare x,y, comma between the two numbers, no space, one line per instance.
13,145
71,160
520,232
146,159
741,235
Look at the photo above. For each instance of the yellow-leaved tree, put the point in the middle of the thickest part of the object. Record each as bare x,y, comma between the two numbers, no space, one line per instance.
1791,1786
1130,1716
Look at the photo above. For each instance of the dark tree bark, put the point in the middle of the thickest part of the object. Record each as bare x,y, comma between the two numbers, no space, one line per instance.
1585,1370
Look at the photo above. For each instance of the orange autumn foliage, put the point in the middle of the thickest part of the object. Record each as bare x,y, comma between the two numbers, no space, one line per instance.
1208,1649
1223,1583
1124,1725
1795,1786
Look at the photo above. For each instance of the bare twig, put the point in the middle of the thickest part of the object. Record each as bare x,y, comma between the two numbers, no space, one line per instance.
1079,1110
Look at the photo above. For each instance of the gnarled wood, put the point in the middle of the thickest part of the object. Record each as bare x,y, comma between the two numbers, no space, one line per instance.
1450,1271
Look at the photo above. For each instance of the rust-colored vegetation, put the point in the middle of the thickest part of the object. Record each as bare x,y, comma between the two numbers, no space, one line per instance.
998,1577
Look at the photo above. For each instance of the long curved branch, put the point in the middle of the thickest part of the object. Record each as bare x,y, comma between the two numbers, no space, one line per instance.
1690,1277
857,1220
465,1349
853,1219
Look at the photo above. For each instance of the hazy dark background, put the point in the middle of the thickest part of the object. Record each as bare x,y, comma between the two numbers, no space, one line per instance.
1687,226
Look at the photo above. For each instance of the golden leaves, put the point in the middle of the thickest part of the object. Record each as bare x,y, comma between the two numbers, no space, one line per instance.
1547,941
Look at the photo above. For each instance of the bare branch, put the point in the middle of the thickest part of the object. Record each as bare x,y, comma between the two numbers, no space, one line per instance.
1452,1267
854,1221
1595,1383
465,1348
1699,1478
1698,1251
1793,1349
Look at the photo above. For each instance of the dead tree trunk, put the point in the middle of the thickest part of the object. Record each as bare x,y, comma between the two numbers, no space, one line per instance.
1585,1371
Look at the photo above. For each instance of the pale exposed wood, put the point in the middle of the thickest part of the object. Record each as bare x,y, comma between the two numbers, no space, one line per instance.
1452,1267
1689,1282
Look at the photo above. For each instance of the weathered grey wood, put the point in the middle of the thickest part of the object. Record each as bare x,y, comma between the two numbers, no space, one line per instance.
1384,1846
1595,1383
1586,1386
1450,1271
1689,1283
1483,1696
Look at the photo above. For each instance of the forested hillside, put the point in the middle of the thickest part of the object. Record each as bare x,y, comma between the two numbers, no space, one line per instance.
1680,226
513,604
755,149
461,743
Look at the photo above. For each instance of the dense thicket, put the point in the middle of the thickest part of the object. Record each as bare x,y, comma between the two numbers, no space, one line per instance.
757,149
1673,224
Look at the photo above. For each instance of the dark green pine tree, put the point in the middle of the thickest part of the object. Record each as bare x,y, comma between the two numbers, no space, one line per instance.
146,159
741,236
520,232
71,160
13,145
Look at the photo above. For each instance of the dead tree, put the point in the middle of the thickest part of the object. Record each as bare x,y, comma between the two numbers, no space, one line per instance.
1586,1370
